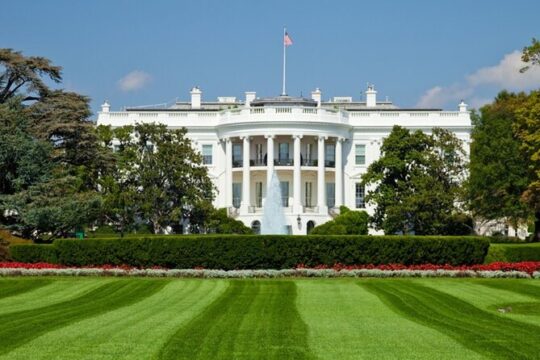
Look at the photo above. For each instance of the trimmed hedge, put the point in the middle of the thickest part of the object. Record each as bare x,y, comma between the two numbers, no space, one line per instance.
513,252
33,253
230,252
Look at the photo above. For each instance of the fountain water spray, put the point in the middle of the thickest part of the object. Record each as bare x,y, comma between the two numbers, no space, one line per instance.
273,221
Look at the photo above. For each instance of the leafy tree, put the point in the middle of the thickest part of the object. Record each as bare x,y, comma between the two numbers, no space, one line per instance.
158,176
527,128
52,209
208,220
498,167
25,73
346,223
531,55
416,181
49,154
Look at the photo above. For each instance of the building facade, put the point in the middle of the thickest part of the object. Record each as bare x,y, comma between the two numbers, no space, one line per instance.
319,149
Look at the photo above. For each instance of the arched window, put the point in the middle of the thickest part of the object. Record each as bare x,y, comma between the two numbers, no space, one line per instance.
256,227
310,226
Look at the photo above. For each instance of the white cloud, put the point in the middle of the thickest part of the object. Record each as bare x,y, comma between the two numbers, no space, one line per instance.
135,80
504,75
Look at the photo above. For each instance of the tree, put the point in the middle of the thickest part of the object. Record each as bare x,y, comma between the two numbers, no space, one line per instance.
49,154
205,219
158,177
531,55
498,166
25,73
416,183
527,129
346,223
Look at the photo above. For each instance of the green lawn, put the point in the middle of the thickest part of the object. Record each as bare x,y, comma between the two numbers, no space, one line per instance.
119,318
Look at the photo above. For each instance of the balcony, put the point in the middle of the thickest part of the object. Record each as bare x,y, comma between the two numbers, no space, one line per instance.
282,162
309,162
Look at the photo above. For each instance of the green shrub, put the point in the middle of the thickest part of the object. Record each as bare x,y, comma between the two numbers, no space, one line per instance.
513,252
346,223
4,251
262,252
34,253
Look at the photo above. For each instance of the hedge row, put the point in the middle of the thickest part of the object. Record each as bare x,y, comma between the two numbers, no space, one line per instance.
513,252
257,252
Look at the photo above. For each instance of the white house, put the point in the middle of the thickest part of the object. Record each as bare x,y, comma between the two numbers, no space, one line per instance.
319,149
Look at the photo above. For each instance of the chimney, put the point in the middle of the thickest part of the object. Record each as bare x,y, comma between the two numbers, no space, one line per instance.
105,107
250,96
371,96
462,106
316,95
196,95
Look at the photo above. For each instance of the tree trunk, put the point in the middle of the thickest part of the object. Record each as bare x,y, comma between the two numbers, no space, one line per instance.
536,234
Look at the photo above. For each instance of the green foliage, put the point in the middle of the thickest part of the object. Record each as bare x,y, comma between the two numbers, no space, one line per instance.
49,154
33,253
231,252
220,223
416,182
158,177
513,252
498,167
25,73
346,223
4,251
531,55
527,128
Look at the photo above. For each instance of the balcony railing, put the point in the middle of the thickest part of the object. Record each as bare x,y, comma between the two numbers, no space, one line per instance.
282,162
309,162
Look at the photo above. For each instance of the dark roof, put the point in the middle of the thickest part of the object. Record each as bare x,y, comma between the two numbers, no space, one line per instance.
283,100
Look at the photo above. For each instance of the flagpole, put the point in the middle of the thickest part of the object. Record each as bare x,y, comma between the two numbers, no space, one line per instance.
283,93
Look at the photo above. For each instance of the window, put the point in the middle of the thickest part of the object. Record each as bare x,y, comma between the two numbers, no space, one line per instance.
308,194
330,194
309,154
283,154
359,196
207,154
258,194
259,159
360,155
330,155
236,194
284,185
237,155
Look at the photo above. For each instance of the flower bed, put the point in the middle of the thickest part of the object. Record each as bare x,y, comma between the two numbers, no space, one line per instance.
524,270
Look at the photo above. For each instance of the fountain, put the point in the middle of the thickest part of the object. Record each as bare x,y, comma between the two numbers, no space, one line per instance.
273,221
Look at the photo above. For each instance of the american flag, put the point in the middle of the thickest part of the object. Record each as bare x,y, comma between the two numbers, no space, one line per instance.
287,41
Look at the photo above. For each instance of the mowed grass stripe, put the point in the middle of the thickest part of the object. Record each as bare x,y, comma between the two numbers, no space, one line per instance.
17,328
251,320
484,332
11,287
515,287
346,321
136,331
58,290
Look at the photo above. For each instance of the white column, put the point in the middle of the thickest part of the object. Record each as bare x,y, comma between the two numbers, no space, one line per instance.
269,158
321,185
339,172
297,181
228,173
246,191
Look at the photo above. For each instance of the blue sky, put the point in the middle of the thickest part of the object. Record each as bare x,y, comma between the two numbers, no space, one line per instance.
418,53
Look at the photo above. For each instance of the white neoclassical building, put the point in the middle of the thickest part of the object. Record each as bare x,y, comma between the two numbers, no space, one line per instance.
319,149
